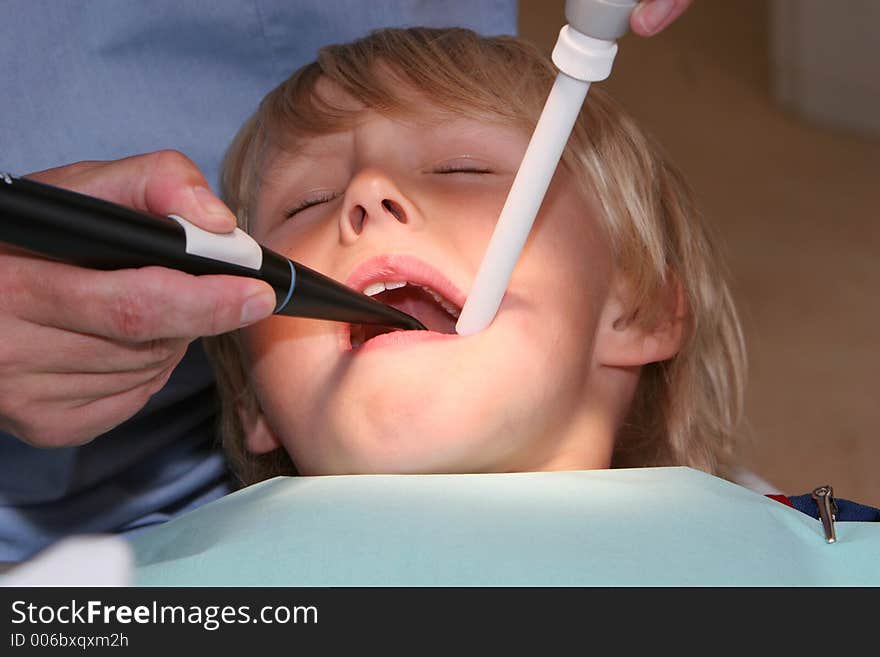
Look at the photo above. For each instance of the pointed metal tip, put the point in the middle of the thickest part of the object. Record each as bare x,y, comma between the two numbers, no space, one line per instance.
409,323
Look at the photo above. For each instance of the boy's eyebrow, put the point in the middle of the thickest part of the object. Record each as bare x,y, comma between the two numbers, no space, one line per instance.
283,162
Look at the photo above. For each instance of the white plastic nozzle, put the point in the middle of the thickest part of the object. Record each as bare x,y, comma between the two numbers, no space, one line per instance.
581,59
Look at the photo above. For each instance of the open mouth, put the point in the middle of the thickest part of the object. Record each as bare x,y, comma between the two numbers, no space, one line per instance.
427,305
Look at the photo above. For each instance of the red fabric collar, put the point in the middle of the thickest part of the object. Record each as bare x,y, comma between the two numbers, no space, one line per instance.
781,498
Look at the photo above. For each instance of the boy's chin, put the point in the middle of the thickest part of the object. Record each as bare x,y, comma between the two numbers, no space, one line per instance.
404,443
402,460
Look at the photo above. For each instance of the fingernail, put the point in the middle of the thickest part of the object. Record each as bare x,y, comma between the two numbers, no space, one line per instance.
211,204
257,307
652,15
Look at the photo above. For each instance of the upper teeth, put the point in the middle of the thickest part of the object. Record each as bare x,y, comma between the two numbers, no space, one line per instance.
377,288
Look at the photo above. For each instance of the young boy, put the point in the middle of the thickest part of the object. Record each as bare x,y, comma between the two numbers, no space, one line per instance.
385,165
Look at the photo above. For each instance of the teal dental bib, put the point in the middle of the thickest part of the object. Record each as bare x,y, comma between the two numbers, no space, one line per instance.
635,527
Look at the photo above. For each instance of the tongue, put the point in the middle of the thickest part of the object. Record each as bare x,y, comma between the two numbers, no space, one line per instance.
415,301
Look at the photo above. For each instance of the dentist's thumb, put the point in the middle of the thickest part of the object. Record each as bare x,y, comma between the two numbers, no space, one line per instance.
653,16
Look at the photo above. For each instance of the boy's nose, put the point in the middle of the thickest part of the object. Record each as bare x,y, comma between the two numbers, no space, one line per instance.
373,199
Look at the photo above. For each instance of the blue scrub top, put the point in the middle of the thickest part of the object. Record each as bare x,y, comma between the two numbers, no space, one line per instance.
102,79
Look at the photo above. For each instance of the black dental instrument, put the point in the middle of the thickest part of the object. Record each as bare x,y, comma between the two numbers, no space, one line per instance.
90,232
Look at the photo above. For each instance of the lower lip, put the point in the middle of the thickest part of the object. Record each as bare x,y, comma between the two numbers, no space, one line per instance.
401,338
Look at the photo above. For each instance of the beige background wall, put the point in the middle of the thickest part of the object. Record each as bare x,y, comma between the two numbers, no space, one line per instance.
797,205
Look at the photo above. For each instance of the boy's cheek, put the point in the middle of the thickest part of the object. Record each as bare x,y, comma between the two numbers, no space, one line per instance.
282,357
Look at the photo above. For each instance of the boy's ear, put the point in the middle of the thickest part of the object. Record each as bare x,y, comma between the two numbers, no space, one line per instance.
623,341
259,438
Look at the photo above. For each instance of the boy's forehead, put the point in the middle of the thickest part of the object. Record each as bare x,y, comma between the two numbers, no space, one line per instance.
412,110
302,152
339,113
280,165
399,100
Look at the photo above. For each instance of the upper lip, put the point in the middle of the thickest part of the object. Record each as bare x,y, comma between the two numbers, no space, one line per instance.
396,267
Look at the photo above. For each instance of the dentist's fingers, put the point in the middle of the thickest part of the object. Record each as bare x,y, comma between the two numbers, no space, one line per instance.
76,353
164,182
51,422
132,305
653,16
73,336
78,388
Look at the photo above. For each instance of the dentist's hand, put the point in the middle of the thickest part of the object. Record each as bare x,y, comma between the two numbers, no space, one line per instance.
653,16
81,351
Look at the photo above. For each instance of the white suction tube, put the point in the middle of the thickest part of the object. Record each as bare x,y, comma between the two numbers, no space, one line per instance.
583,54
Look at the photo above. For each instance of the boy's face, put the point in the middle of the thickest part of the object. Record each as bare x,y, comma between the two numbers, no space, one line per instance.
416,201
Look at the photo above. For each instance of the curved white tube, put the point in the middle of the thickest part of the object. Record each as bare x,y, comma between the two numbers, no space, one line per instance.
523,202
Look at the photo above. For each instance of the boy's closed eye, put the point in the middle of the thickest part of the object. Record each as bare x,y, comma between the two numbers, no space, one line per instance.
317,197
462,165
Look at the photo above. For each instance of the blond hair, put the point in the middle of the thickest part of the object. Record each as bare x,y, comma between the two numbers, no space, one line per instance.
685,410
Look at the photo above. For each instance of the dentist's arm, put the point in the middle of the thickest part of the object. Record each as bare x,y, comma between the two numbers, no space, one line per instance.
82,351
653,16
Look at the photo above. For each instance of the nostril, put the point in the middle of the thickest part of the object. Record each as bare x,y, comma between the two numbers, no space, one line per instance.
356,218
394,209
